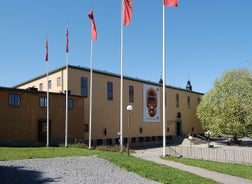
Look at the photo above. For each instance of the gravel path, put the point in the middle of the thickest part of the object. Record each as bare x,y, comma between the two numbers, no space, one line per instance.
91,170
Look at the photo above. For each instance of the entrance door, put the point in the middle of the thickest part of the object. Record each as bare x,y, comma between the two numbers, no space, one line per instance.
42,130
178,128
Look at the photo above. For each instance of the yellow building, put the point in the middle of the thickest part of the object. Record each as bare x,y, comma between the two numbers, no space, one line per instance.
146,125
23,117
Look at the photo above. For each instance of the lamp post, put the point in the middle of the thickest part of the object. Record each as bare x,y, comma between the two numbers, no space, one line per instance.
190,138
129,108
208,133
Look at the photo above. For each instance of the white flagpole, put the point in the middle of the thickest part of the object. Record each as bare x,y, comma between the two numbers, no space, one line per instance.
164,82
66,120
121,86
91,89
47,105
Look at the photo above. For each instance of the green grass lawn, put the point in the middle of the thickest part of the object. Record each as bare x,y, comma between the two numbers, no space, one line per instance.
244,171
147,169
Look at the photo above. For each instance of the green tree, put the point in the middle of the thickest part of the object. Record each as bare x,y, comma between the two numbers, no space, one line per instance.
227,107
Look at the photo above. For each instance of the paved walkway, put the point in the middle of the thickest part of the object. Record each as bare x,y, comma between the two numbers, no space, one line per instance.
154,154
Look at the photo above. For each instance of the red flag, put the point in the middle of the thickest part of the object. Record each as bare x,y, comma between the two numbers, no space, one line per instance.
67,39
93,27
46,56
127,14
170,2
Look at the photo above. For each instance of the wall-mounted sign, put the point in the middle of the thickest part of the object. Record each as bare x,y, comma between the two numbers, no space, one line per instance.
151,103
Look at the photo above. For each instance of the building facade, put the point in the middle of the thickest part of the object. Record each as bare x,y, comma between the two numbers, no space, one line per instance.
146,126
23,117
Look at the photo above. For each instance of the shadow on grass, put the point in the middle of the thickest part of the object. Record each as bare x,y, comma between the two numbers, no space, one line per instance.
20,175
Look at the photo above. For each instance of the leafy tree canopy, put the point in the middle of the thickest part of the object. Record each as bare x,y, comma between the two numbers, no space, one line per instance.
227,107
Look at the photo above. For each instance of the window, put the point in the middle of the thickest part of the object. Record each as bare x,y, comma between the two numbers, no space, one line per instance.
131,93
84,86
188,102
49,84
70,103
177,100
110,90
43,102
198,100
59,81
41,87
14,99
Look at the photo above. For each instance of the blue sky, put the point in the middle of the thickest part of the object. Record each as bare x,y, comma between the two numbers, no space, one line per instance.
203,39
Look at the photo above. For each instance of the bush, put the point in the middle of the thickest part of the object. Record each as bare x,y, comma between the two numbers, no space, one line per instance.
115,148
